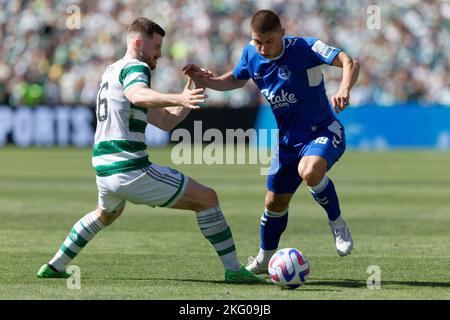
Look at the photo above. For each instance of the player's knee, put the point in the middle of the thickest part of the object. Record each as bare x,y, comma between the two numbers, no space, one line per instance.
275,204
312,173
209,199
312,177
107,218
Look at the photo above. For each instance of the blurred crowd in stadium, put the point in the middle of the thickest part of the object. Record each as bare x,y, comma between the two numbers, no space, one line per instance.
44,62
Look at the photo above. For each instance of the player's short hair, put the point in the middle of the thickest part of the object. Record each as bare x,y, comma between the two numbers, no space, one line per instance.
265,21
146,26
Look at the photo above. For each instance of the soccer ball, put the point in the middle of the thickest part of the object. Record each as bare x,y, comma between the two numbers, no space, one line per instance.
288,268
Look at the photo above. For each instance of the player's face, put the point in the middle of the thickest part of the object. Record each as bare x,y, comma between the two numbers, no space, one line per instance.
150,49
269,44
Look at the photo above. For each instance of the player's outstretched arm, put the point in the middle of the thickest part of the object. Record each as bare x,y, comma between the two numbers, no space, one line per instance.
204,78
145,97
168,118
350,72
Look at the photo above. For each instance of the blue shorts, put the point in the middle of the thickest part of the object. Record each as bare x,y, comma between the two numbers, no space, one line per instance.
328,143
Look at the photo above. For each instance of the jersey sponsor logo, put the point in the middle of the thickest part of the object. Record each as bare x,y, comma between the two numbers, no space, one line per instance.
322,49
284,99
284,73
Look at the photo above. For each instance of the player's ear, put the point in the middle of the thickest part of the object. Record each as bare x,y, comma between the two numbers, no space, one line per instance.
138,41
282,32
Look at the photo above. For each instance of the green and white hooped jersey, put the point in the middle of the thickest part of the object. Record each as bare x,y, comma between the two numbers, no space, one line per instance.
120,136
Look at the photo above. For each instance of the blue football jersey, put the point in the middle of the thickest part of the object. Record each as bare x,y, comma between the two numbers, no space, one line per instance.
292,84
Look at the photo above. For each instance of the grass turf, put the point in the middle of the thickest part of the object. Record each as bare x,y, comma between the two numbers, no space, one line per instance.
397,205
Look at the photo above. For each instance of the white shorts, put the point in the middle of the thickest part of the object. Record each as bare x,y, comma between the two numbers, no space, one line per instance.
155,185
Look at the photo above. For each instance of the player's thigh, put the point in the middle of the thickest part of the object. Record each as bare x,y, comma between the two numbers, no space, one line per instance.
110,206
277,202
154,185
328,144
283,177
109,203
197,197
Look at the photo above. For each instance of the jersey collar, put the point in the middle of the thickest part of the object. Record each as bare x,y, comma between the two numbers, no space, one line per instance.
277,57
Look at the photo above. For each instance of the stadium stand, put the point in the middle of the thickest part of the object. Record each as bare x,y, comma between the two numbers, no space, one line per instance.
44,62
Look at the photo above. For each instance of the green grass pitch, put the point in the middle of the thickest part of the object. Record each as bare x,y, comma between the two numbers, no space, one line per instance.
397,205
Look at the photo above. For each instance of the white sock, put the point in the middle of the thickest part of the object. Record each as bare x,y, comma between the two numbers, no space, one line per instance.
82,232
322,185
265,255
214,227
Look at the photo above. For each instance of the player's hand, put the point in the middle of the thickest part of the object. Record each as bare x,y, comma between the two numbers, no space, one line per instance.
340,100
199,75
190,97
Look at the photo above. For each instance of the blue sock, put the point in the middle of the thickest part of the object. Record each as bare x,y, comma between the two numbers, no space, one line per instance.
325,195
272,226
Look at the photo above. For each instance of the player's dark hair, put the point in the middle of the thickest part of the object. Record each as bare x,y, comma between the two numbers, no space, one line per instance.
146,26
265,21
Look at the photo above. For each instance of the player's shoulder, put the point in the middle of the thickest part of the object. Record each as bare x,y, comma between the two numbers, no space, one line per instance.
129,66
308,44
250,49
127,62
123,64
318,46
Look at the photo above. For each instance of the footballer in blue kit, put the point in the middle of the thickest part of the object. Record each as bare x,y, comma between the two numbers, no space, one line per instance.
293,85
287,71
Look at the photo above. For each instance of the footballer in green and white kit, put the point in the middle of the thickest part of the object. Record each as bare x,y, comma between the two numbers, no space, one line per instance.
125,104
119,156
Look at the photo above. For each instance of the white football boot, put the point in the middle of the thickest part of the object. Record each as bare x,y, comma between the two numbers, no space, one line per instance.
260,264
342,236
255,267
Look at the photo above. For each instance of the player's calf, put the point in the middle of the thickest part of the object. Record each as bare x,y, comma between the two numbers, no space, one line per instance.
324,192
82,232
273,223
203,200
275,202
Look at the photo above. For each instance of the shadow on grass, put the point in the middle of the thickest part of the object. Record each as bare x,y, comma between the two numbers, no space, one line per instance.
169,279
221,282
354,283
